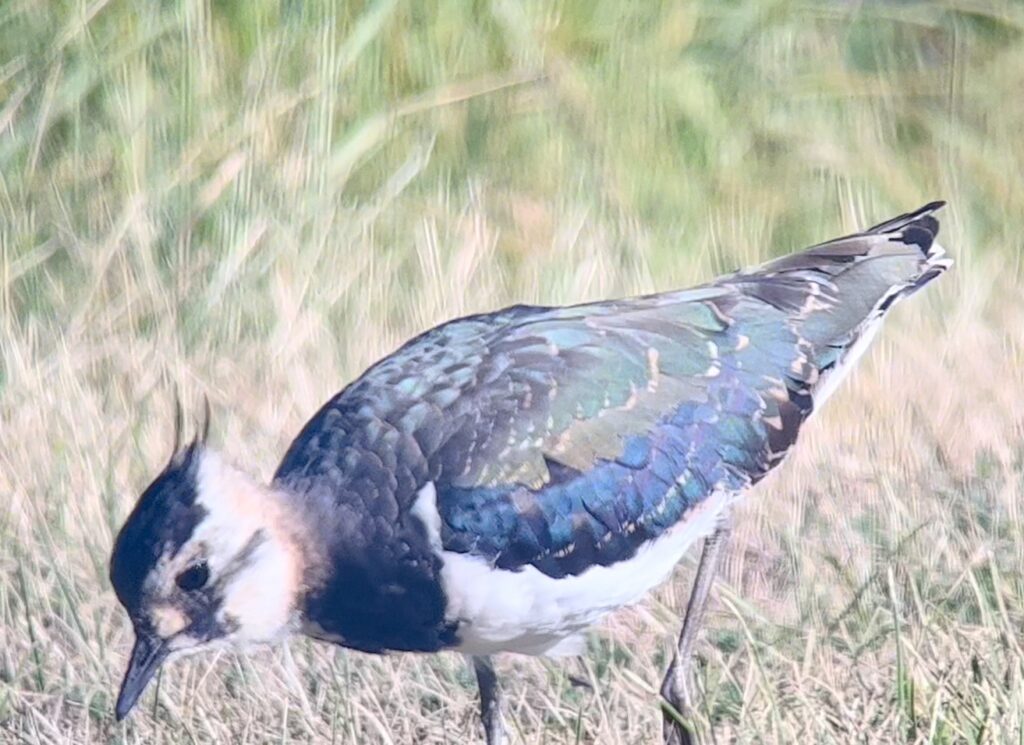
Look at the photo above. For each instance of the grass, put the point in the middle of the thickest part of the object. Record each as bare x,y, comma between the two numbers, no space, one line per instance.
253,201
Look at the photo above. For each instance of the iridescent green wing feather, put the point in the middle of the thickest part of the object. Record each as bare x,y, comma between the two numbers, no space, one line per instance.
562,438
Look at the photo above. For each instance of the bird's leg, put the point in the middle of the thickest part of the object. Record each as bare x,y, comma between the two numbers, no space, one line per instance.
675,689
490,700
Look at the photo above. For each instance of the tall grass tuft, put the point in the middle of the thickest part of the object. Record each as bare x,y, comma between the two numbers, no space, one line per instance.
253,201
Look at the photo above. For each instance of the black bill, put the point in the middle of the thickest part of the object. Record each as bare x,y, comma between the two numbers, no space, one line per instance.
147,654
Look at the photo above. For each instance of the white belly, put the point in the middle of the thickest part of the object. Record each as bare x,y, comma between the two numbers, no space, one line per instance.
526,611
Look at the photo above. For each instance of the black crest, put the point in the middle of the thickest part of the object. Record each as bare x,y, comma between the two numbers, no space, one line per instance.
165,516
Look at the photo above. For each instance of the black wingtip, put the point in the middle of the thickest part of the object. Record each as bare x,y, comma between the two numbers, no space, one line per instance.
917,228
920,215
938,204
921,233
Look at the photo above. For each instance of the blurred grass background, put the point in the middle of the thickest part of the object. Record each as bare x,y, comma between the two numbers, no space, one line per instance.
255,200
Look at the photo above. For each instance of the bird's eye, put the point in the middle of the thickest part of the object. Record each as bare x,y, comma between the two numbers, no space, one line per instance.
194,578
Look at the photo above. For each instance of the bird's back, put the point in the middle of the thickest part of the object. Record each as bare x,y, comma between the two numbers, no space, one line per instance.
555,440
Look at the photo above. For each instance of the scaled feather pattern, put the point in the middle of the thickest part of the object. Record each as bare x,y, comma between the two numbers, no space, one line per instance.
564,438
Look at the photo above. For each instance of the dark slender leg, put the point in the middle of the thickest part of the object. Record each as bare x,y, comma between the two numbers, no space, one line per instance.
676,687
490,700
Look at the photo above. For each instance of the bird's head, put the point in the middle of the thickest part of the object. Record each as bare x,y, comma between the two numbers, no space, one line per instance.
207,558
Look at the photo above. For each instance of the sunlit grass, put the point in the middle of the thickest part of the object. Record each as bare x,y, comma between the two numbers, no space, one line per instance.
253,201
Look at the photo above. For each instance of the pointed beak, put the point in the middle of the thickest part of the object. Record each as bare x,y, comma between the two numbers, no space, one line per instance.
147,654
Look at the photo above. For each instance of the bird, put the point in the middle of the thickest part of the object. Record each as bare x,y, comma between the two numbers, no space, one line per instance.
504,480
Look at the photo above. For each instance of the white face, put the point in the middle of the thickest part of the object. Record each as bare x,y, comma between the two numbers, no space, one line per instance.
251,560
251,552
234,578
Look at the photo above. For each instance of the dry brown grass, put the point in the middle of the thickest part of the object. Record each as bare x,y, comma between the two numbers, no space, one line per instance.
253,204
872,593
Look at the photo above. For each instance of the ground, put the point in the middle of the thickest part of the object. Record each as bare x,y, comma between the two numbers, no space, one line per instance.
254,201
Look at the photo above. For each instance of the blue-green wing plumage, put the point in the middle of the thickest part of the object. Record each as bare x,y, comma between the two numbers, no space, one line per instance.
562,438
626,415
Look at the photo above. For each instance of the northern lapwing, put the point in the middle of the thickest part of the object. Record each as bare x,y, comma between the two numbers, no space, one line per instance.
504,480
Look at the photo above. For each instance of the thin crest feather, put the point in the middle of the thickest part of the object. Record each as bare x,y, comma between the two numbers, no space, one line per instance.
202,431
204,425
178,422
